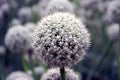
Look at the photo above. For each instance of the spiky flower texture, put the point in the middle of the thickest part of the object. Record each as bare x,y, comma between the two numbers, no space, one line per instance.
60,40
54,74
18,39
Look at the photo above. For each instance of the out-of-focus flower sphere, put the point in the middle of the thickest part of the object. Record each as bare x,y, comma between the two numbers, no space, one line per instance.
54,74
39,70
5,7
60,40
18,75
113,31
42,7
18,39
59,6
91,7
25,14
113,11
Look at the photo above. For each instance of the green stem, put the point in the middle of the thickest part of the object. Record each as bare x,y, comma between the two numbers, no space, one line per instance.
32,68
23,63
43,66
62,72
105,53
118,56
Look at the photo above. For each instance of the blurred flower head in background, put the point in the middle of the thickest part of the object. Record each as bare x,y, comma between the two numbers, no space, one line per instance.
18,39
54,74
113,11
113,31
42,6
18,75
59,6
25,14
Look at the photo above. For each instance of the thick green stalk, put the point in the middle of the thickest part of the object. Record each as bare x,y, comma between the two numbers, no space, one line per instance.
32,67
43,66
118,56
105,53
62,72
23,63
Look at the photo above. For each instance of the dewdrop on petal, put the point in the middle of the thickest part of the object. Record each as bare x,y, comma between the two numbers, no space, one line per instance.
18,39
113,31
60,40
54,74
19,75
59,6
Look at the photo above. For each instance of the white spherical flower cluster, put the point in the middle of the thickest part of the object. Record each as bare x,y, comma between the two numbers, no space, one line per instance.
54,74
113,31
25,14
18,75
59,6
60,40
113,11
18,39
